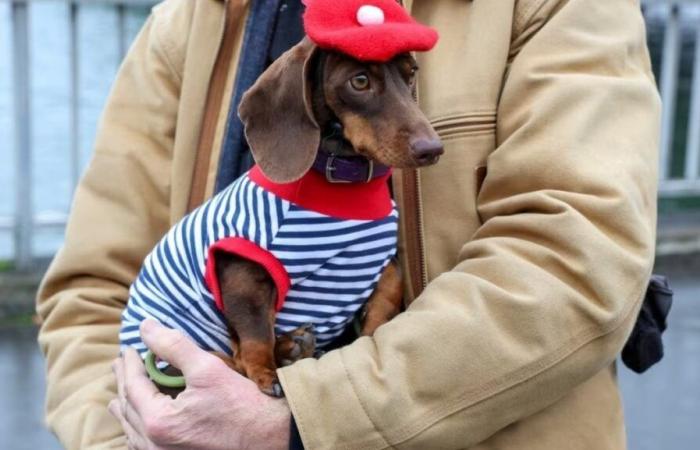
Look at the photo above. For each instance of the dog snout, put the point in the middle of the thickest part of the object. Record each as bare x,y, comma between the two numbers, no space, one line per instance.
426,151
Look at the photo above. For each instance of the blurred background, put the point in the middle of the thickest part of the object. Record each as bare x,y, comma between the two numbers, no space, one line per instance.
57,61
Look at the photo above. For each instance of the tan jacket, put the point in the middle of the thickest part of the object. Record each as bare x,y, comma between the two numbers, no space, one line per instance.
533,236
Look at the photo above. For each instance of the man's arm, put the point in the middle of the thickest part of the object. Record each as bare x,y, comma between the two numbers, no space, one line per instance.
546,292
120,210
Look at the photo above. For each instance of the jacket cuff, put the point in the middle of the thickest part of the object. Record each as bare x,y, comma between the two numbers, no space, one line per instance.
321,409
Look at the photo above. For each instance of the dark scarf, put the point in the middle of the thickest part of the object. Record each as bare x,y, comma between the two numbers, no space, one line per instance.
273,27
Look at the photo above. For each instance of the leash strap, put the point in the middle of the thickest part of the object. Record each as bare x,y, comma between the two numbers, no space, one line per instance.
212,108
235,154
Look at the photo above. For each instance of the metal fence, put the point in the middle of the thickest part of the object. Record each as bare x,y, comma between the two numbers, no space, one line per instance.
25,220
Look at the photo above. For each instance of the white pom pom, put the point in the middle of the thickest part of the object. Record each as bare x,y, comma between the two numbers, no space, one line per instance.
370,15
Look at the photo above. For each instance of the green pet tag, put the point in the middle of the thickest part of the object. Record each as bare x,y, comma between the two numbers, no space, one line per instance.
159,377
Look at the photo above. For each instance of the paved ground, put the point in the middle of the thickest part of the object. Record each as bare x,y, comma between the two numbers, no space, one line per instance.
662,406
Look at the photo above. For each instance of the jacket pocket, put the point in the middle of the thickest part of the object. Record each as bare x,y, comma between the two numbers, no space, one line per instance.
473,123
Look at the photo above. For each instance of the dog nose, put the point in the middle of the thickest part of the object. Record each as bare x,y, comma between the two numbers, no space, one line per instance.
426,151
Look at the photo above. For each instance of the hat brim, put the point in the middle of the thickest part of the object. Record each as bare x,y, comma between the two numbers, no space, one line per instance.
377,43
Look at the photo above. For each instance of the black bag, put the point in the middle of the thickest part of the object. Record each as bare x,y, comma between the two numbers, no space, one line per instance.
644,348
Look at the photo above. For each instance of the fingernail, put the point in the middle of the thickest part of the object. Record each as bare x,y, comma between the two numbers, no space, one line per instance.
147,326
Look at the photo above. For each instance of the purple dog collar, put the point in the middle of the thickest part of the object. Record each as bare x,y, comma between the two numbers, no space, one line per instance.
348,169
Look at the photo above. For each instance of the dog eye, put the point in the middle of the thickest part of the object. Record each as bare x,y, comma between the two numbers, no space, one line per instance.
360,82
412,76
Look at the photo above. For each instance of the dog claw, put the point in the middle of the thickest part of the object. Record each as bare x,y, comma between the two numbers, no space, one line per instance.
295,345
304,340
277,390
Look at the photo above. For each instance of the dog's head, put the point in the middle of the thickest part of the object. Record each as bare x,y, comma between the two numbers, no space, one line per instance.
307,92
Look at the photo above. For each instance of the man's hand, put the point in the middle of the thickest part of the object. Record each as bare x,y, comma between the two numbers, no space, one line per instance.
219,409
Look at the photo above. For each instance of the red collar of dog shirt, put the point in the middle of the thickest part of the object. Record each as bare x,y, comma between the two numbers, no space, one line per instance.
367,30
352,201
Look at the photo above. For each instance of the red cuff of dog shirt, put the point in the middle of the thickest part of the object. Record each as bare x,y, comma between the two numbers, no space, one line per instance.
251,251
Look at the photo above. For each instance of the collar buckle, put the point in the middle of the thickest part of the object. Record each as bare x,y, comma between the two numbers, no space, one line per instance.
370,170
330,168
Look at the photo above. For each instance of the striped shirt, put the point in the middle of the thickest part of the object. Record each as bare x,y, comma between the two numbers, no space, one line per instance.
325,246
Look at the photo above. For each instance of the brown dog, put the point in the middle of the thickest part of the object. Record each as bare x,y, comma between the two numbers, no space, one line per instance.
361,108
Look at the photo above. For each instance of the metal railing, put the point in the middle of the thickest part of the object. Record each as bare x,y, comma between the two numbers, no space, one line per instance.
25,220
689,182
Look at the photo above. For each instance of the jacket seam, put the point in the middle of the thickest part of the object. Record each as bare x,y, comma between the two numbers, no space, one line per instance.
485,112
384,441
298,418
524,17
163,51
519,376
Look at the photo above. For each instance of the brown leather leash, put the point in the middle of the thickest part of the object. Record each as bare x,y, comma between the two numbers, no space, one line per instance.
215,96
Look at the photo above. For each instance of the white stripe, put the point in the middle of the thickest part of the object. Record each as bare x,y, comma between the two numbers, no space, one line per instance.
232,207
339,284
167,275
376,257
260,214
301,319
328,226
335,239
236,203
343,273
339,296
240,205
252,222
310,253
352,307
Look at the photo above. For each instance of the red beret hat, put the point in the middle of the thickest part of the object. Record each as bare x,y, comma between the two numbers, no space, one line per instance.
368,30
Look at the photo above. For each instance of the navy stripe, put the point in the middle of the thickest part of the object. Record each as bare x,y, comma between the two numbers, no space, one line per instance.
336,290
132,342
318,301
341,279
174,313
320,220
267,223
331,233
301,247
188,326
319,314
171,285
255,48
349,255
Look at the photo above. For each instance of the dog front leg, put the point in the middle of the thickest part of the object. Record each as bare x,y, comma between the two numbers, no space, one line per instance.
249,294
386,300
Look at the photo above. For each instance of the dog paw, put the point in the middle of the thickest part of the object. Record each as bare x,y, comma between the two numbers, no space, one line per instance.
268,382
295,345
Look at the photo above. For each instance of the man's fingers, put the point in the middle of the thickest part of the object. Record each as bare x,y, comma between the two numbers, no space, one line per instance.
118,369
174,347
127,411
139,391
135,440
114,409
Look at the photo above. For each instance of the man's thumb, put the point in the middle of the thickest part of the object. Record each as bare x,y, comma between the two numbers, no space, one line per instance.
174,347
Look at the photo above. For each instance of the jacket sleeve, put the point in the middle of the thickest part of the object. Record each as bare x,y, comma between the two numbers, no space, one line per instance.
120,210
547,290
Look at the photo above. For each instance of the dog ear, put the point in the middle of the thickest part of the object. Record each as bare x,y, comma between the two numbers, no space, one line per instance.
277,114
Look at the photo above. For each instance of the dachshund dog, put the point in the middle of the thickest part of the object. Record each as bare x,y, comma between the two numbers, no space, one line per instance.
309,105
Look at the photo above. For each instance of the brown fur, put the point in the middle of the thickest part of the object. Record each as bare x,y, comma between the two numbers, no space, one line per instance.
286,109
385,302
279,125
284,113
